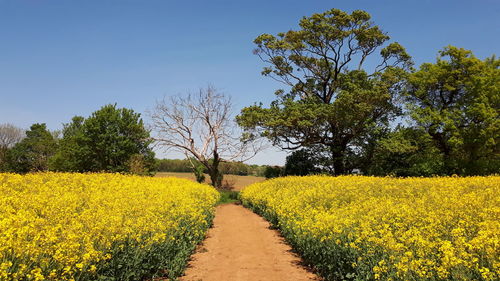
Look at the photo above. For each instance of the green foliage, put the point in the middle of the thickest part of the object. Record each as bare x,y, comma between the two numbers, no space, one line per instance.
228,196
258,170
168,258
452,108
273,172
342,112
301,163
216,178
9,136
235,168
33,152
199,170
174,165
227,168
137,165
333,100
106,141
69,154
456,102
406,152
3,158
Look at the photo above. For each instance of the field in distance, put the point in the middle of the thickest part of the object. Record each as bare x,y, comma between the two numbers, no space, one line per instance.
238,182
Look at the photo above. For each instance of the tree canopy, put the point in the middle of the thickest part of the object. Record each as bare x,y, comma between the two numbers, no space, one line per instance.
301,162
111,139
332,98
456,101
32,153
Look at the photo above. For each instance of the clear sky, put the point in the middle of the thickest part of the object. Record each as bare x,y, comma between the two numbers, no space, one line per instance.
64,58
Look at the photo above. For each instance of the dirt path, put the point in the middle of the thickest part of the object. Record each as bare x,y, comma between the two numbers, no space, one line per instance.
241,246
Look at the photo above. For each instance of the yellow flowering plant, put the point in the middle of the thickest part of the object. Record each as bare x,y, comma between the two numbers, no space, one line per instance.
63,226
370,228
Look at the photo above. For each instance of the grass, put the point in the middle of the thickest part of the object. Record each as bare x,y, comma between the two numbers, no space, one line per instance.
228,196
238,182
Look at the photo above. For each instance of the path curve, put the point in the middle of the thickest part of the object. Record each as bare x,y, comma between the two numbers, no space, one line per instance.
241,247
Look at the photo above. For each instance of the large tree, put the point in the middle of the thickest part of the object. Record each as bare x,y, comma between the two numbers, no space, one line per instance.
456,101
201,127
111,139
333,97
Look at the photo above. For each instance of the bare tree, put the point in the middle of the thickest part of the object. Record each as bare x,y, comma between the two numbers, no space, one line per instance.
201,126
9,136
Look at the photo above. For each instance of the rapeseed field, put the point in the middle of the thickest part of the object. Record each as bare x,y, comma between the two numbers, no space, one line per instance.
63,226
372,228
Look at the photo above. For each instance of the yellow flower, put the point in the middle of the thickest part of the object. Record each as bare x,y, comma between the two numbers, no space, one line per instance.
55,225
403,229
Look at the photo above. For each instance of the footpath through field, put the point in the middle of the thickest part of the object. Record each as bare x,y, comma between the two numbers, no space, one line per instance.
241,247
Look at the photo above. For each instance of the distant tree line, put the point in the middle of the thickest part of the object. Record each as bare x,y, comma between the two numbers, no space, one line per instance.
111,139
230,168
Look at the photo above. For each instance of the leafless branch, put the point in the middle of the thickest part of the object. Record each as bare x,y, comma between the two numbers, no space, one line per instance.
10,135
201,126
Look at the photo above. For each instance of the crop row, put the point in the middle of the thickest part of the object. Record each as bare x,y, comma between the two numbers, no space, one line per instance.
369,228
61,226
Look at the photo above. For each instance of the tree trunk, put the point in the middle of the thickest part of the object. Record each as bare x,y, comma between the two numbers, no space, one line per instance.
215,178
214,173
338,159
442,144
339,166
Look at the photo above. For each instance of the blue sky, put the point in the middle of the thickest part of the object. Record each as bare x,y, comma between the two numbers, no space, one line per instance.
64,58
